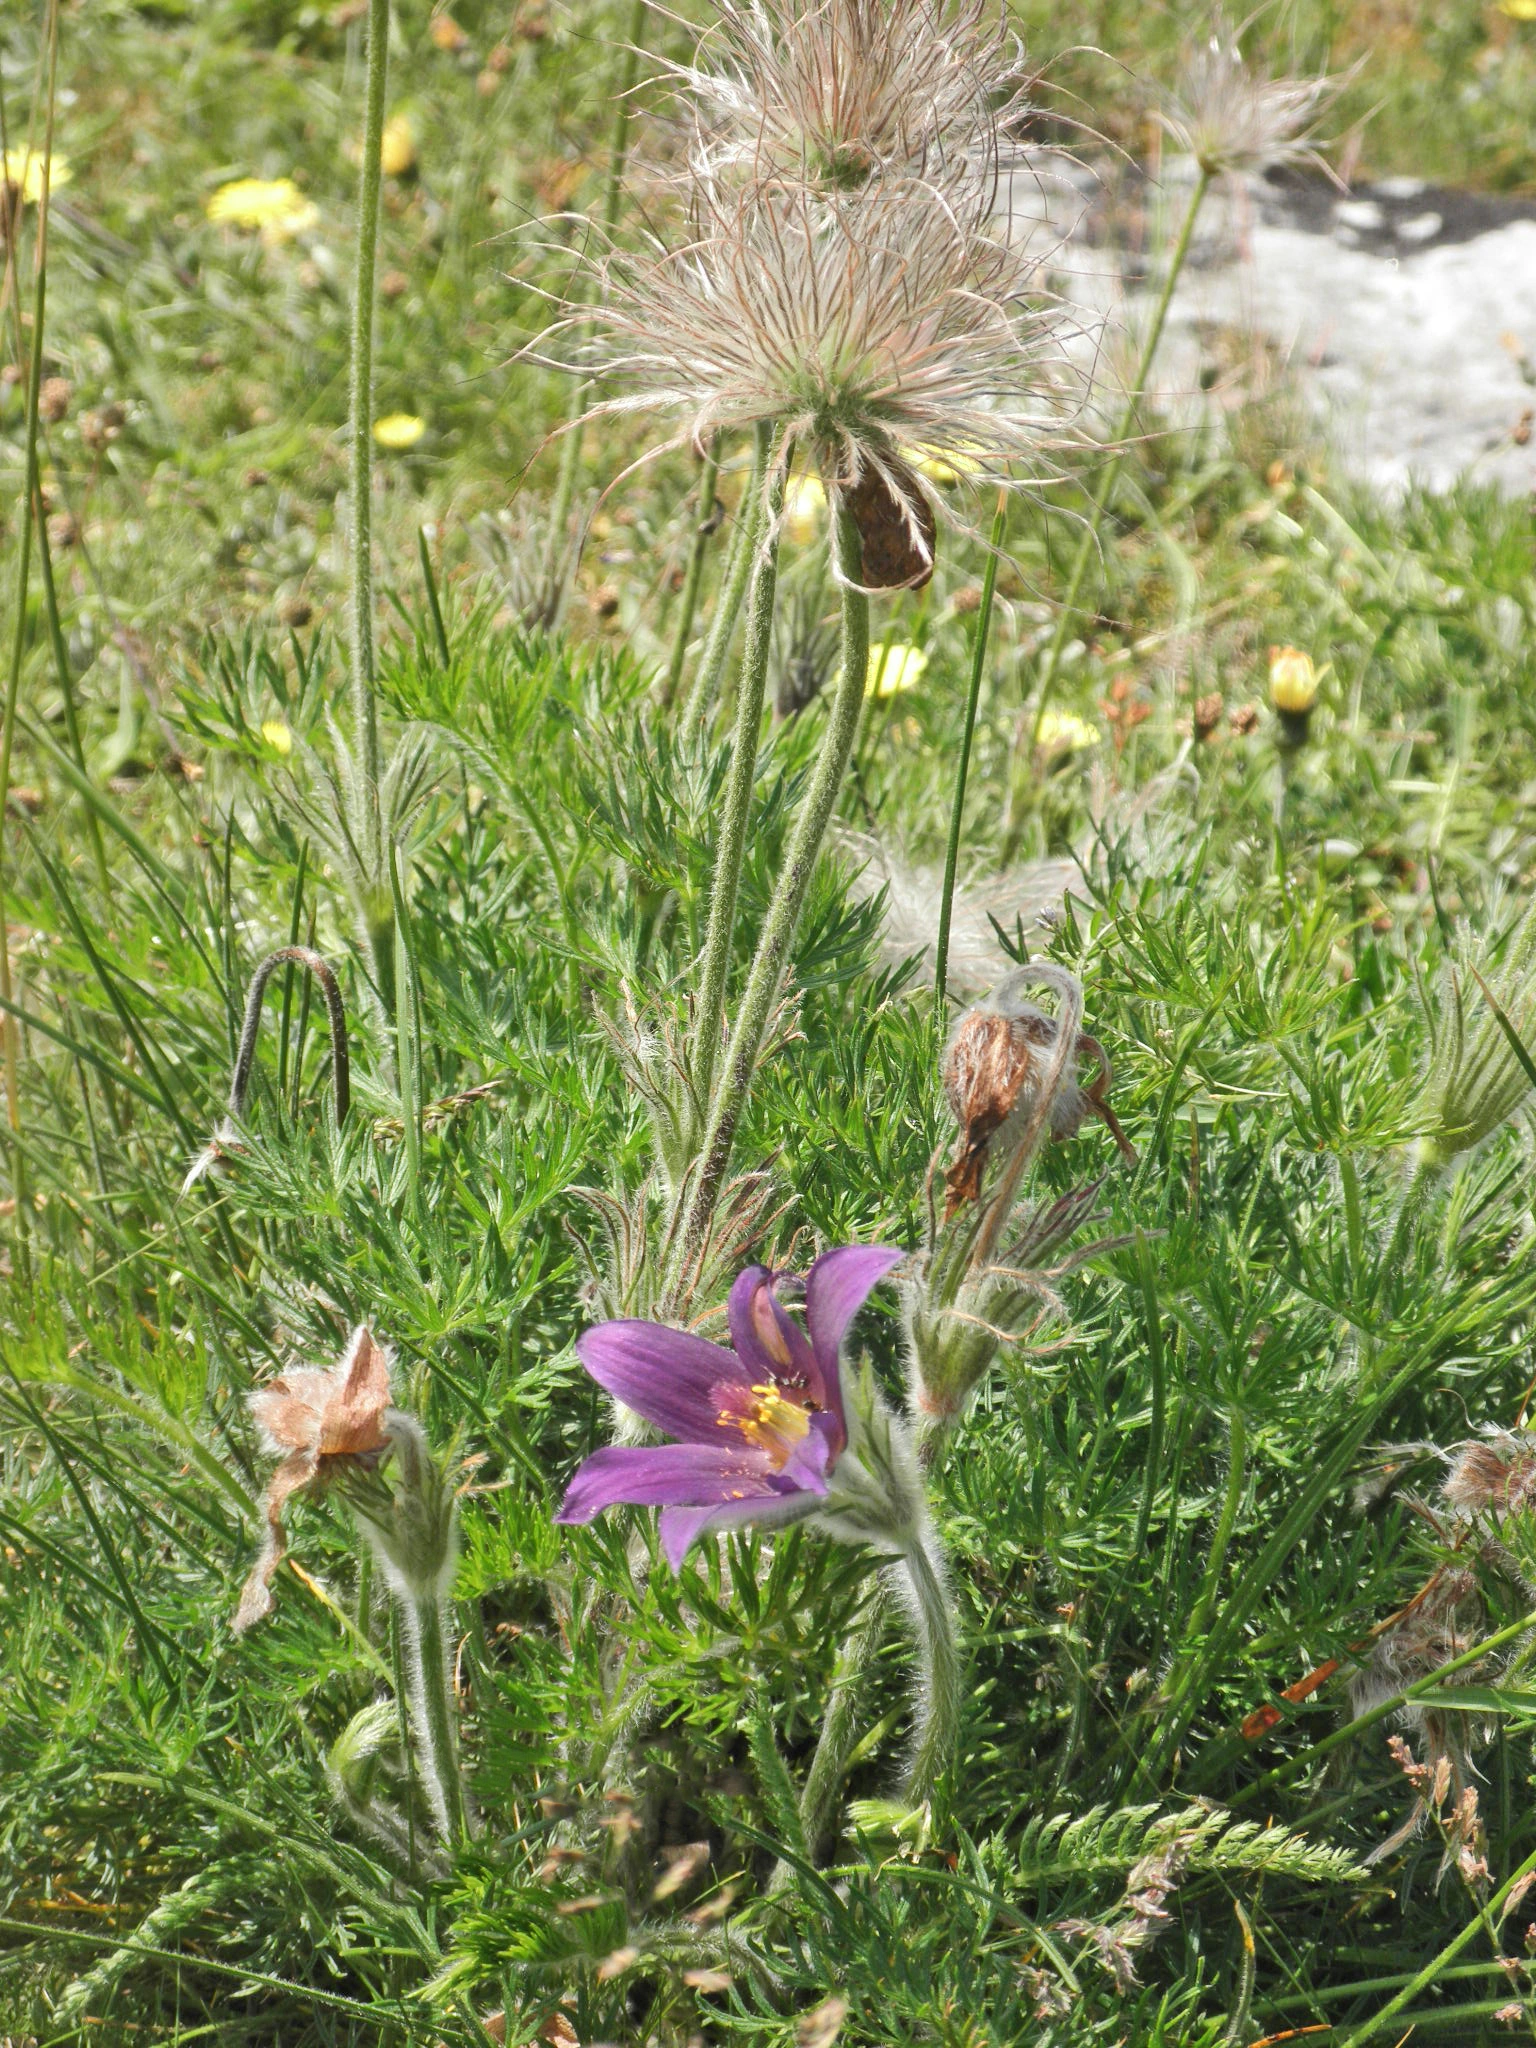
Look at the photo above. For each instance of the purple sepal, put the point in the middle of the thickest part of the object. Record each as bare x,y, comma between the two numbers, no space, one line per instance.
666,1475
665,1375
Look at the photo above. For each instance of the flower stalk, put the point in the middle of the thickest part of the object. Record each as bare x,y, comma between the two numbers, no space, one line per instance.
688,601
739,786
765,978
937,1687
733,590
1110,472
957,813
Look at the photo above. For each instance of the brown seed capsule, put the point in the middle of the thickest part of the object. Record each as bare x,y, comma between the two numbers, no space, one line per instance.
996,1066
1207,714
892,559
53,399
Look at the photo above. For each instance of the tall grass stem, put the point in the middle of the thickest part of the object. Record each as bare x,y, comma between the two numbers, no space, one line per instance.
957,812
1110,473
365,713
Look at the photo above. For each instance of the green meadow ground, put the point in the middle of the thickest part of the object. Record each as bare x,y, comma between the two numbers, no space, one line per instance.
1216,1472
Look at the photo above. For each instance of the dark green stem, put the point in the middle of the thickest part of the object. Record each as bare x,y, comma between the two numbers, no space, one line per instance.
957,812
688,602
767,973
365,715
738,791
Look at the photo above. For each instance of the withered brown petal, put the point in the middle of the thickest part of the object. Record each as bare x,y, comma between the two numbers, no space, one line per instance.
892,559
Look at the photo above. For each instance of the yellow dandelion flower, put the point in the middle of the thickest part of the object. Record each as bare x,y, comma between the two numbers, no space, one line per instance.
275,206
399,430
277,736
893,669
397,147
1292,680
1063,732
949,468
23,168
805,504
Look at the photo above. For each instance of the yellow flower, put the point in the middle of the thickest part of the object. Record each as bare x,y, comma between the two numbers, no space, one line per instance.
277,736
397,147
398,430
26,170
804,504
274,205
893,669
1063,732
941,469
1518,10
1292,680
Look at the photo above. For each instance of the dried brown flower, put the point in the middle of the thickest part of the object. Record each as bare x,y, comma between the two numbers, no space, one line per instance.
322,1420
1494,1474
993,1072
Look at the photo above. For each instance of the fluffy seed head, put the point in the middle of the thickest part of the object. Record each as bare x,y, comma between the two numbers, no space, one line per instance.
854,326
1478,1080
835,91
1230,117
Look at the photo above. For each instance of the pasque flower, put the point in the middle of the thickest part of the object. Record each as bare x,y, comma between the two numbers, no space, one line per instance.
837,91
851,325
763,1432
1232,117
323,1421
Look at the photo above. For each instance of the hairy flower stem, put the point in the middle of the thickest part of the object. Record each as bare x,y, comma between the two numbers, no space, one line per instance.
957,812
767,972
365,712
430,1678
1109,475
938,1682
245,1057
829,1765
733,589
738,793
688,602
569,476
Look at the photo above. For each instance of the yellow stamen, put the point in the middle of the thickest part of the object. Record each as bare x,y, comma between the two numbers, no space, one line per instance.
775,1424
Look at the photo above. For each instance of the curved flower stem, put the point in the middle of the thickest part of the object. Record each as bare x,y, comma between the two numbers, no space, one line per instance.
1109,475
957,813
688,603
767,973
250,1028
824,1780
430,1678
733,588
738,791
938,1683
365,713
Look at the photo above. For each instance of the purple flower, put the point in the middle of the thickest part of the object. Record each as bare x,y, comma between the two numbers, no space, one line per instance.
759,1428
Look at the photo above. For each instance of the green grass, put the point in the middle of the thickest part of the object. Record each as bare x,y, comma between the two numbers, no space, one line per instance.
1211,1476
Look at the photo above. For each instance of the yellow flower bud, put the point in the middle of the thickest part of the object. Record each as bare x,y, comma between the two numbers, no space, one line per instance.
1292,680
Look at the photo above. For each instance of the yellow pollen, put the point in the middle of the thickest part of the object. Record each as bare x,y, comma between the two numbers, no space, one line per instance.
775,1425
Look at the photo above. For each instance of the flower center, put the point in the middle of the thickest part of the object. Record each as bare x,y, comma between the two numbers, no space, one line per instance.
770,1422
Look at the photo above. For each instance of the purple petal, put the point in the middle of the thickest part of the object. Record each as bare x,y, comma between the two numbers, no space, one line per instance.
836,1288
681,1528
771,1346
665,1375
808,1464
665,1475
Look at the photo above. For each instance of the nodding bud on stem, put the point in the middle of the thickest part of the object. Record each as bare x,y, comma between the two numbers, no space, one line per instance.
226,1138
997,1066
